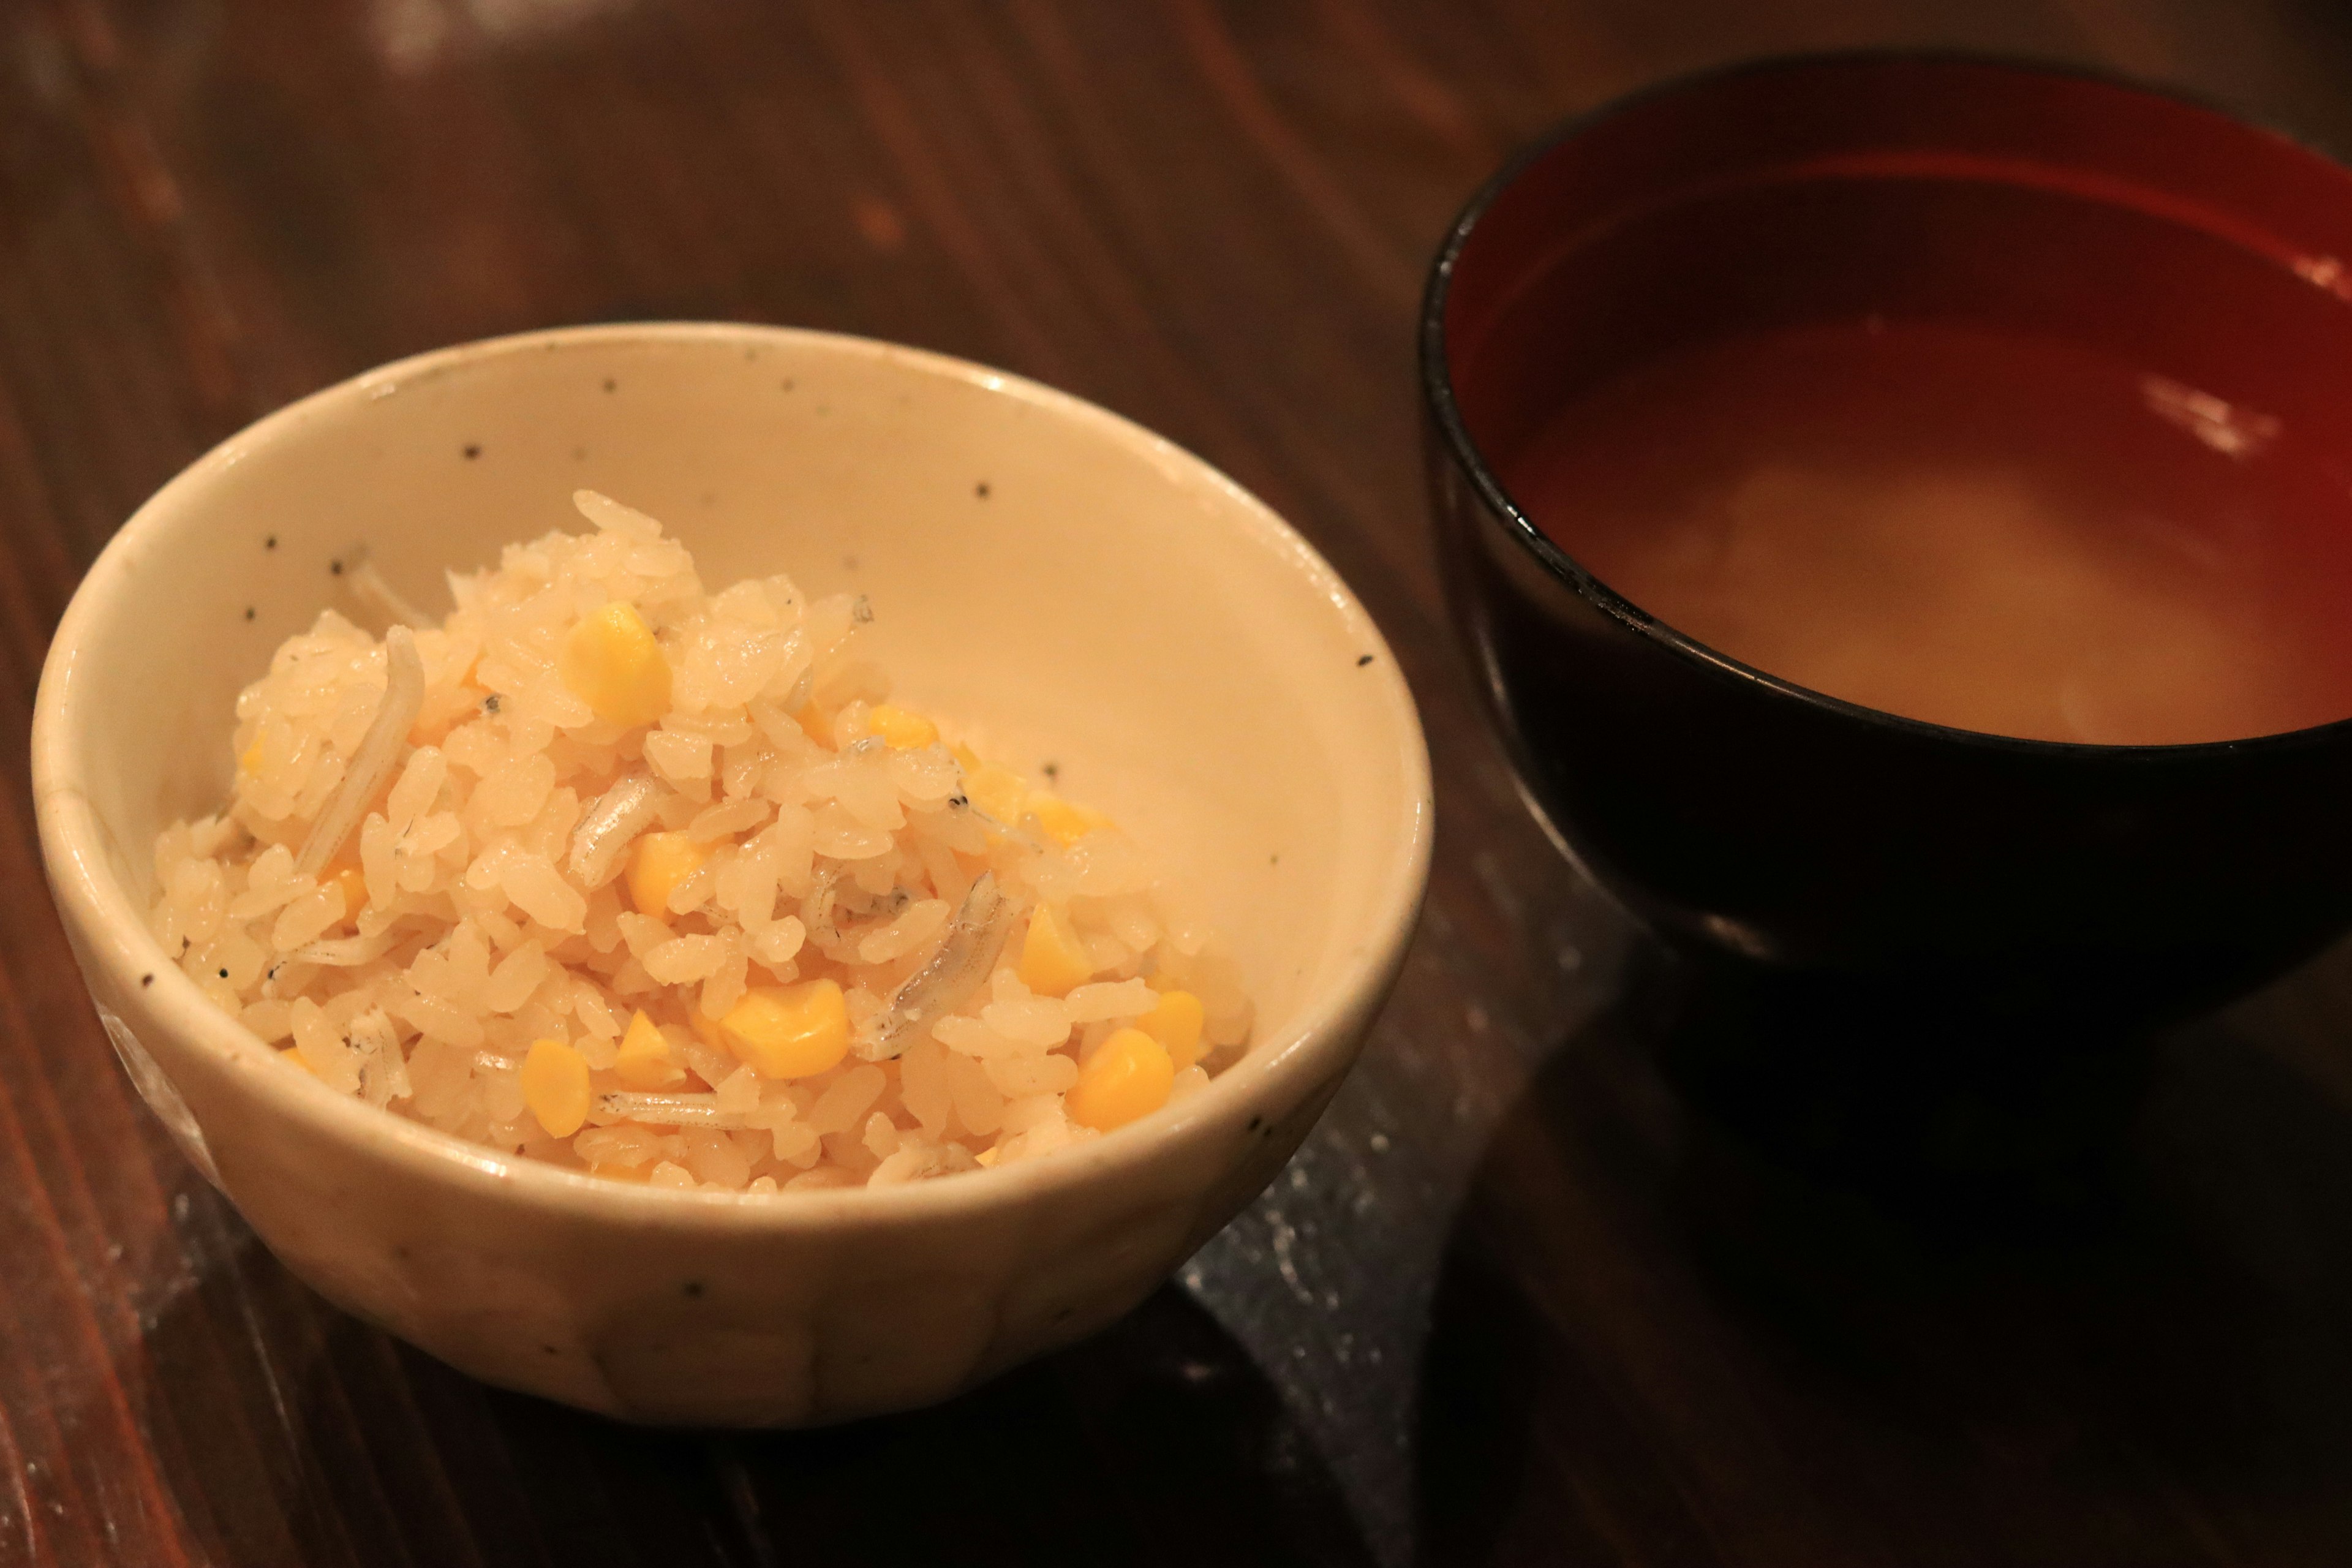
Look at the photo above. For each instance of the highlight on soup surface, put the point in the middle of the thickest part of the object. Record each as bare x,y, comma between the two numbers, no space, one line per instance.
658,884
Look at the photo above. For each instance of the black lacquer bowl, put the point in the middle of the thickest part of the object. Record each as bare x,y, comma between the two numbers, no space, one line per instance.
2027,882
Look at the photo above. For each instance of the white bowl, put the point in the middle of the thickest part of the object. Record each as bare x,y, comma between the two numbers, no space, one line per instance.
1086,593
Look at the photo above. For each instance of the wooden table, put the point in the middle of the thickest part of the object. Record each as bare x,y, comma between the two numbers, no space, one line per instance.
1518,1300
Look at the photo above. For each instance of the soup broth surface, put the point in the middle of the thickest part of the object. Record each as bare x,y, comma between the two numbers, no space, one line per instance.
1991,531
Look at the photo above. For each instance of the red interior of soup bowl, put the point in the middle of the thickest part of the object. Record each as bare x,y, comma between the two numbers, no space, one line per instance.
2042,202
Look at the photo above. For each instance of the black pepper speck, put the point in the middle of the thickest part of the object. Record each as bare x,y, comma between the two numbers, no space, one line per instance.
146,980
270,542
334,568
473,451
248,612
1053,772
980,490
694,1289
612,385
1363,660
490,703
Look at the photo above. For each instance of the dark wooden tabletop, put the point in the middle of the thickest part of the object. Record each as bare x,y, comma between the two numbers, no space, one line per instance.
1526,1295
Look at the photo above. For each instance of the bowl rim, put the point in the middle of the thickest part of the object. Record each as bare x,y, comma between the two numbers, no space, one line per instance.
117,938
1443,408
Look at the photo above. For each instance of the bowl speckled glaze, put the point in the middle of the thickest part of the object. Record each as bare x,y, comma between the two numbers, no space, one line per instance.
1076,588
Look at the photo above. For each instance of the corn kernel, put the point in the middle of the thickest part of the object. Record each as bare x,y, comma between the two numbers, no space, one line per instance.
705,1028
658,862
998,791
1065,823
638,1173
354,885
293,1055
903,731
792,1031
1175,1023
1053,959
1128,1076
643,1060
611,662
985,1159
250,762
966,758
555,1086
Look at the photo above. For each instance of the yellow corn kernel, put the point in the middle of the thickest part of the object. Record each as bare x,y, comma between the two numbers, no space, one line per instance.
902,730
1052,959
1129,1075
294,1056
611,662
638,1173
1067,824
555,1086
1175,1023
250,762
998,791
792,1031
658,862
705,1028
966,758
354,885
816,724
643,1061
984,1159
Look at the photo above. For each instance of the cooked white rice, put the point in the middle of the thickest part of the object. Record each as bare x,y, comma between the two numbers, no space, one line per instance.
441,864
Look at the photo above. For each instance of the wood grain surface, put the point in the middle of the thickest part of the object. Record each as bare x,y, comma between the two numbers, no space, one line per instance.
1521,1297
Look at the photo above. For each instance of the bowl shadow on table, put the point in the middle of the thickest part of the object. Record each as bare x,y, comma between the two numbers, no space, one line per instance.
1722,1288
290,1432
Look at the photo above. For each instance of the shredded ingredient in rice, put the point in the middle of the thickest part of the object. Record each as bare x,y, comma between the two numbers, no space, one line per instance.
660,885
